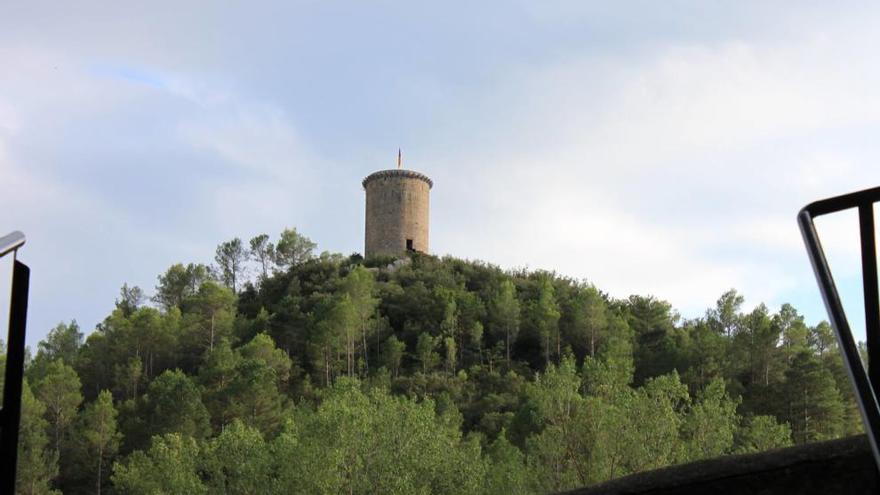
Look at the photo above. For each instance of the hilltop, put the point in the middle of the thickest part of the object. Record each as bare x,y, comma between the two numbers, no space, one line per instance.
276,370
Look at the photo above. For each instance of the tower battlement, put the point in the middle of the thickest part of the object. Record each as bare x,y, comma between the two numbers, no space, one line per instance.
399,172
397,212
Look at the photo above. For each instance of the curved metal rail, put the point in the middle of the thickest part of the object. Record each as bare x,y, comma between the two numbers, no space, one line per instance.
866,384
11,242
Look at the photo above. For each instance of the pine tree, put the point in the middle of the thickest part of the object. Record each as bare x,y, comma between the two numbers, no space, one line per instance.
59,390
813,404
37,461
505,316
97,429
546,315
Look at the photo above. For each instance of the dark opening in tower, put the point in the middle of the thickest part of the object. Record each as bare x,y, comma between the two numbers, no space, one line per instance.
409,245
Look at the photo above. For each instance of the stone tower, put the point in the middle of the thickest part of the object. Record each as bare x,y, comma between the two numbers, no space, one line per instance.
397,212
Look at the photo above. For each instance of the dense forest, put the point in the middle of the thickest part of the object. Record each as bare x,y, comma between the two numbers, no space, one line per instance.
278,370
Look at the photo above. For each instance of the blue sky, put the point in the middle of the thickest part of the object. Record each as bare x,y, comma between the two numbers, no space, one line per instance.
648,147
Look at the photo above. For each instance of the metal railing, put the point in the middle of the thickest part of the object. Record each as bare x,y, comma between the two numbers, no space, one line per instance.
10,414
867,385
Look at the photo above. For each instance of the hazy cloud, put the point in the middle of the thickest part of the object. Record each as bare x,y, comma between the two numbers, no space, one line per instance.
648,148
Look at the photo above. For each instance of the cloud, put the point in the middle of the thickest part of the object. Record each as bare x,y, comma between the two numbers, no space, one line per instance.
647,153
680,172
114,174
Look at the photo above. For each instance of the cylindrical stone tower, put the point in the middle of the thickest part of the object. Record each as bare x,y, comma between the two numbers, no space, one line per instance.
397,212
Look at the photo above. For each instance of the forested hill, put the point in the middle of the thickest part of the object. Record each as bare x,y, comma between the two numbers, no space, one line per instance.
279,371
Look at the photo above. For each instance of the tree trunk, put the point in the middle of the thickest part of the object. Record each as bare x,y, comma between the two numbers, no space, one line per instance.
547,348
326,367
558,346
806,416
366,359
100,465
508,348
58,435
592,342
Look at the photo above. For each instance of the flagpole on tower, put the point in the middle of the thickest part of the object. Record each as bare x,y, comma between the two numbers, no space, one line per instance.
399,158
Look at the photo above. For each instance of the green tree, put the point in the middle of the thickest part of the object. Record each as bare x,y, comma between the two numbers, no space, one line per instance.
263,252
216,375
759,338
238,461
359,286
762,433
656,411
151,337
130,299
231,257
450,352
709,426
62,342
425,352
210,316
97,429
128,378
392,354
505,315
725,318
37,462
333,332
653,323
179,283
589,318
546,315
476,338
172,404
703,351
59,390
558,455
170,466
292,249
506,473
794,332
546,424
254,397
373,442
612,369
263,348
814,408
821,338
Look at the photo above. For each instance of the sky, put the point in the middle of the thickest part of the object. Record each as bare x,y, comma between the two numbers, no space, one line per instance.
658,148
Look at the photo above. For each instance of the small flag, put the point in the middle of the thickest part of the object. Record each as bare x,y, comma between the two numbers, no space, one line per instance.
399,158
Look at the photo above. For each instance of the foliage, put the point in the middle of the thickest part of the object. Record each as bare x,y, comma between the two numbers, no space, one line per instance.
168,466
37,462
231,257
59,391
292,249
296,373
97,429
761,433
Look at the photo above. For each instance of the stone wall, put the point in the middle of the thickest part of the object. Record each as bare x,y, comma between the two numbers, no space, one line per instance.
397,209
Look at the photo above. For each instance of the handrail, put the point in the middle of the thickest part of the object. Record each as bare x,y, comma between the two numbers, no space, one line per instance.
11,242
866,384
10,414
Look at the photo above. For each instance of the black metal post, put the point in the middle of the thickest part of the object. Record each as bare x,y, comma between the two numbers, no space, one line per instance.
872,299
865,382
11,413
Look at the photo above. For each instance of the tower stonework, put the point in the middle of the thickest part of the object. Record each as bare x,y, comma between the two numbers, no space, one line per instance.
397,213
